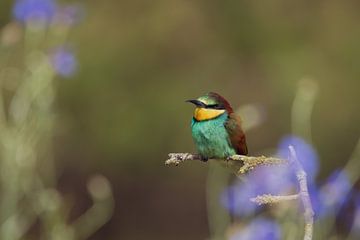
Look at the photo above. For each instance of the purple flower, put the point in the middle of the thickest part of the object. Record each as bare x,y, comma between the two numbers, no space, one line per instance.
306,154
276,180
259,229
236,199
334,192
64,62
34,10
262,180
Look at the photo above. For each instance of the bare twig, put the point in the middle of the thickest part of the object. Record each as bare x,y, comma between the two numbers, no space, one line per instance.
271,199
303,193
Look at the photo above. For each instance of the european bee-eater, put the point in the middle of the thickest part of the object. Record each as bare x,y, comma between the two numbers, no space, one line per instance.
216,129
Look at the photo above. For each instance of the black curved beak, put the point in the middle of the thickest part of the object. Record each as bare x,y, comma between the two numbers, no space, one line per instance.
196,102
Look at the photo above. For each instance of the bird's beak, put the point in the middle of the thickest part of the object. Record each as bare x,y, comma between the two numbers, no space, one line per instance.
196,102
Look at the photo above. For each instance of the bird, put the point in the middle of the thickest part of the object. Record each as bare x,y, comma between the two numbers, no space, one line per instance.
216,129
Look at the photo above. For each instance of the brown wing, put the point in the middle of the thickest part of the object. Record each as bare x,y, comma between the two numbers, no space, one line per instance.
236,134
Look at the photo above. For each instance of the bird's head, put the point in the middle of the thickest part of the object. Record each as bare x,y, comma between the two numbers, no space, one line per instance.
210,106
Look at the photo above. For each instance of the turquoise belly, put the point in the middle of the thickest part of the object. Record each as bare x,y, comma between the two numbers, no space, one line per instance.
211,138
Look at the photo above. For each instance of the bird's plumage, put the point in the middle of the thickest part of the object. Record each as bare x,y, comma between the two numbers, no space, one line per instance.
217,135
211,138
236,134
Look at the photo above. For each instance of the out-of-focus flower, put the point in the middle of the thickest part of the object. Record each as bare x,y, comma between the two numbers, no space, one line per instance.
306,154
40,11
63,62
276,180
259,229
262,180
68,15
236,199
333,193
308,158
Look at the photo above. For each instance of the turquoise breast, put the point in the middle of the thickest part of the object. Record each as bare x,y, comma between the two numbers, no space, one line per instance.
211,138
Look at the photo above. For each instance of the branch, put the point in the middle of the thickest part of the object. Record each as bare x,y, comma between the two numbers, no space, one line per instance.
271,199
303,193
248,162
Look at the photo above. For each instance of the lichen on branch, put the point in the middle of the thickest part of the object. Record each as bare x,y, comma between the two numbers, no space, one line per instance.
248,163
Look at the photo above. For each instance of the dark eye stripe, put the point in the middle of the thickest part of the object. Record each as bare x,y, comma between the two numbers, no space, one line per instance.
214,106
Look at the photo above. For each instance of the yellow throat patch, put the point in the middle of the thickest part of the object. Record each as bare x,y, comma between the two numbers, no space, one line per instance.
202,114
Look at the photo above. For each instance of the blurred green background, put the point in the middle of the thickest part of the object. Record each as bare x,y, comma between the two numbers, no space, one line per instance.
139,60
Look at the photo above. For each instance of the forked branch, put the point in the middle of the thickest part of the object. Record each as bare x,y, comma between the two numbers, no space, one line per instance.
248,163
